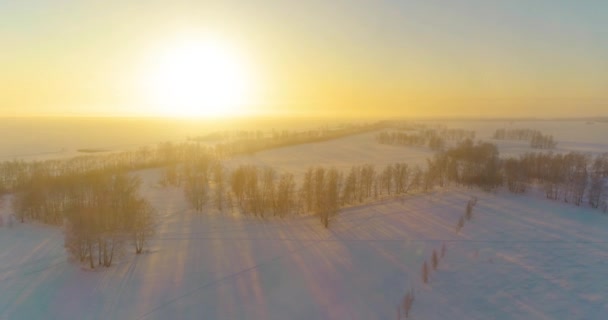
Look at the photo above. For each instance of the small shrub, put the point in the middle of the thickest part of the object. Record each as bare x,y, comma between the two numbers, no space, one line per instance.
460,224
434,260
469,209
468,213
425,272
408,301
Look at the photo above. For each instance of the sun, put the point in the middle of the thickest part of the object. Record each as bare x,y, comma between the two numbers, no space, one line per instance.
197,77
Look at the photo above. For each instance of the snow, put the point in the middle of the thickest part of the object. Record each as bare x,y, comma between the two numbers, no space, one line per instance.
520,257
340,153
570,135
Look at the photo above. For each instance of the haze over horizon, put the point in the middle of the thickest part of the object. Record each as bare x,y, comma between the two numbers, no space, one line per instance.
239,58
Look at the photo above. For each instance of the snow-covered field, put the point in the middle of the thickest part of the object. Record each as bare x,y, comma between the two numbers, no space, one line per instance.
520,257
37,139
571,135
340,153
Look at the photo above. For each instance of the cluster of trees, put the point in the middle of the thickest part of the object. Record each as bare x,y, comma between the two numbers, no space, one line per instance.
203,179
537,139
257,191
322,191
435,139
457,134
103,213
402,138
17,175
514,134
573,177
598,191
100,212
91,196
196,176
40,186
442,130
569,177
263,192
467,164
541,141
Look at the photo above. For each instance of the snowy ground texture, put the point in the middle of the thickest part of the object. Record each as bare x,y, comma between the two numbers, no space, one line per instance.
520,257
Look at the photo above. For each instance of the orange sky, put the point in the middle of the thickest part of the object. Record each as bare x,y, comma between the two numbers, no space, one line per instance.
420,58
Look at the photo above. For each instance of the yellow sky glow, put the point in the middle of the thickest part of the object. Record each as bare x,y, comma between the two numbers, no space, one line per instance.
407,59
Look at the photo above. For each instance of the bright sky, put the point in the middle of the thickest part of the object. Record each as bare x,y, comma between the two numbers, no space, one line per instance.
409,58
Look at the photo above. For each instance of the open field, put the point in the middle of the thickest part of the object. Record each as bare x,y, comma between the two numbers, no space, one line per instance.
61,138
520,257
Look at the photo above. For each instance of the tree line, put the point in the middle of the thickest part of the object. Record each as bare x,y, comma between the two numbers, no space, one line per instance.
572,177
321,191
17,175
537,139
248,142
435,139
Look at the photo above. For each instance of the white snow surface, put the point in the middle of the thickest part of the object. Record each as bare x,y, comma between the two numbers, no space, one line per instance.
340,153
520,257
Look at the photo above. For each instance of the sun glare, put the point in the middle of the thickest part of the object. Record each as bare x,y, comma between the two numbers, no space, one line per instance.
197,78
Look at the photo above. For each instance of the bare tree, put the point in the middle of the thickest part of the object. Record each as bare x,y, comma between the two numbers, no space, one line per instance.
515,175
596,190
220,185
285,201
307,189
331,195
268,190
196,190
386,179
143,226
349,191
